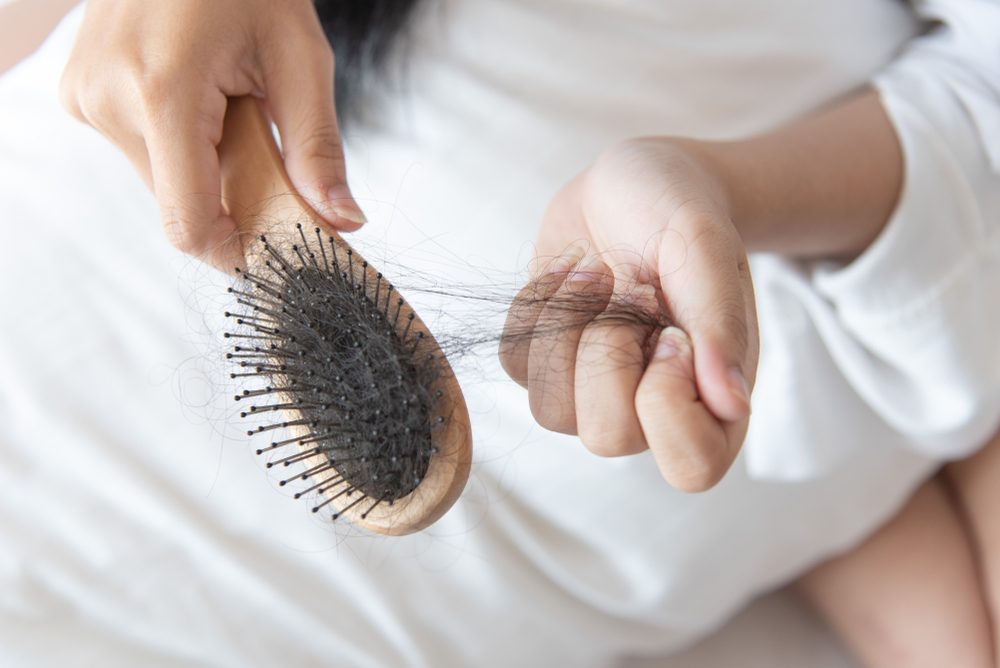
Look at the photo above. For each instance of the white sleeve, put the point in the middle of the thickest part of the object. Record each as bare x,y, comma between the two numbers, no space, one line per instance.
921,306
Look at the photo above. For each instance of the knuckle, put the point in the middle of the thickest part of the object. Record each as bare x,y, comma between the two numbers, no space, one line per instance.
693,473
313,39
321,141
321,55
156,83
513,359
692,465
155,91
639,155
84,94
68,97
612,162
309,53
181,236
106,97
624,150
612,440
552,413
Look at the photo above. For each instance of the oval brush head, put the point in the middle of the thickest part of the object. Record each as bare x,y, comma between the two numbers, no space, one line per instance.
373,410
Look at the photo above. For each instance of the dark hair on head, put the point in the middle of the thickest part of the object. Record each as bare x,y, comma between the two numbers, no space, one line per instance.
362,34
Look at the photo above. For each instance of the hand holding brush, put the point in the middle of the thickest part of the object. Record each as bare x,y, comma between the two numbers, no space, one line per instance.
155,79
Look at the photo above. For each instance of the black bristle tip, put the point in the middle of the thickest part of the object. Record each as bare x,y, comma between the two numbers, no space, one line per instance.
353,384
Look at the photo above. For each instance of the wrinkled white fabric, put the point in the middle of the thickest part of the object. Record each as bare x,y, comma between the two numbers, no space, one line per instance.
910,325
138,528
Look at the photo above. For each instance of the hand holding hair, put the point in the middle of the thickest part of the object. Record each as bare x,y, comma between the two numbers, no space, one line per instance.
665,223
154,78
644,224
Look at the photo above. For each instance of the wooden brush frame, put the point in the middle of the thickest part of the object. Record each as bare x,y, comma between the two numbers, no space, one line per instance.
259,196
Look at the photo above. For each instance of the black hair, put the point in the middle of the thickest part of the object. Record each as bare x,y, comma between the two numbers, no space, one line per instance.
362,387
363,34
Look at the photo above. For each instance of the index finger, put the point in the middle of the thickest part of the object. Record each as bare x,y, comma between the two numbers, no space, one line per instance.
184,165
527,306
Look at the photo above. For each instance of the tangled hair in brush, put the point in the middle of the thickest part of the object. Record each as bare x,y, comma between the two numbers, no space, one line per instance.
364,391
362,33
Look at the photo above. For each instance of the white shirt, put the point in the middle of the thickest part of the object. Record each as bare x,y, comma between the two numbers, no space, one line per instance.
139,529
909,325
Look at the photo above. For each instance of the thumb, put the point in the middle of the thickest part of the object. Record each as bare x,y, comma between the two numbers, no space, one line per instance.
689,445
299,89
711,297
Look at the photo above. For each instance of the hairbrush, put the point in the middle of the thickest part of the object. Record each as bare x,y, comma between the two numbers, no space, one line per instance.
373,417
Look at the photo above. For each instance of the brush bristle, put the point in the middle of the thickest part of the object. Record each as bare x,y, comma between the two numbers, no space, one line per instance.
339,364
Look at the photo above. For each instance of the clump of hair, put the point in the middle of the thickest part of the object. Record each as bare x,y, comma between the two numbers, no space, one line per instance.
342,371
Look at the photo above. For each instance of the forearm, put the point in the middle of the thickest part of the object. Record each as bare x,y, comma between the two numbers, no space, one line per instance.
821,187
24,25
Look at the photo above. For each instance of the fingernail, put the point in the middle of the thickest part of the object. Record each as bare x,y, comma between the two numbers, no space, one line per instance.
738,386
342,203
587,271
674,342
353,215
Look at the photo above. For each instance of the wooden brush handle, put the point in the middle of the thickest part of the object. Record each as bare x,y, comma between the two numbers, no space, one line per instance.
256,190
259,196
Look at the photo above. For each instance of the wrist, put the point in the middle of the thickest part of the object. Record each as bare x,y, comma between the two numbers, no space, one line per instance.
742,189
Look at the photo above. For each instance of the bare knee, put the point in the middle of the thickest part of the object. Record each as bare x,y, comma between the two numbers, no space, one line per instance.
976,485
909,595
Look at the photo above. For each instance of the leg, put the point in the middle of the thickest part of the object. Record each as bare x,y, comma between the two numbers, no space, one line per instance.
976,482
910,594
